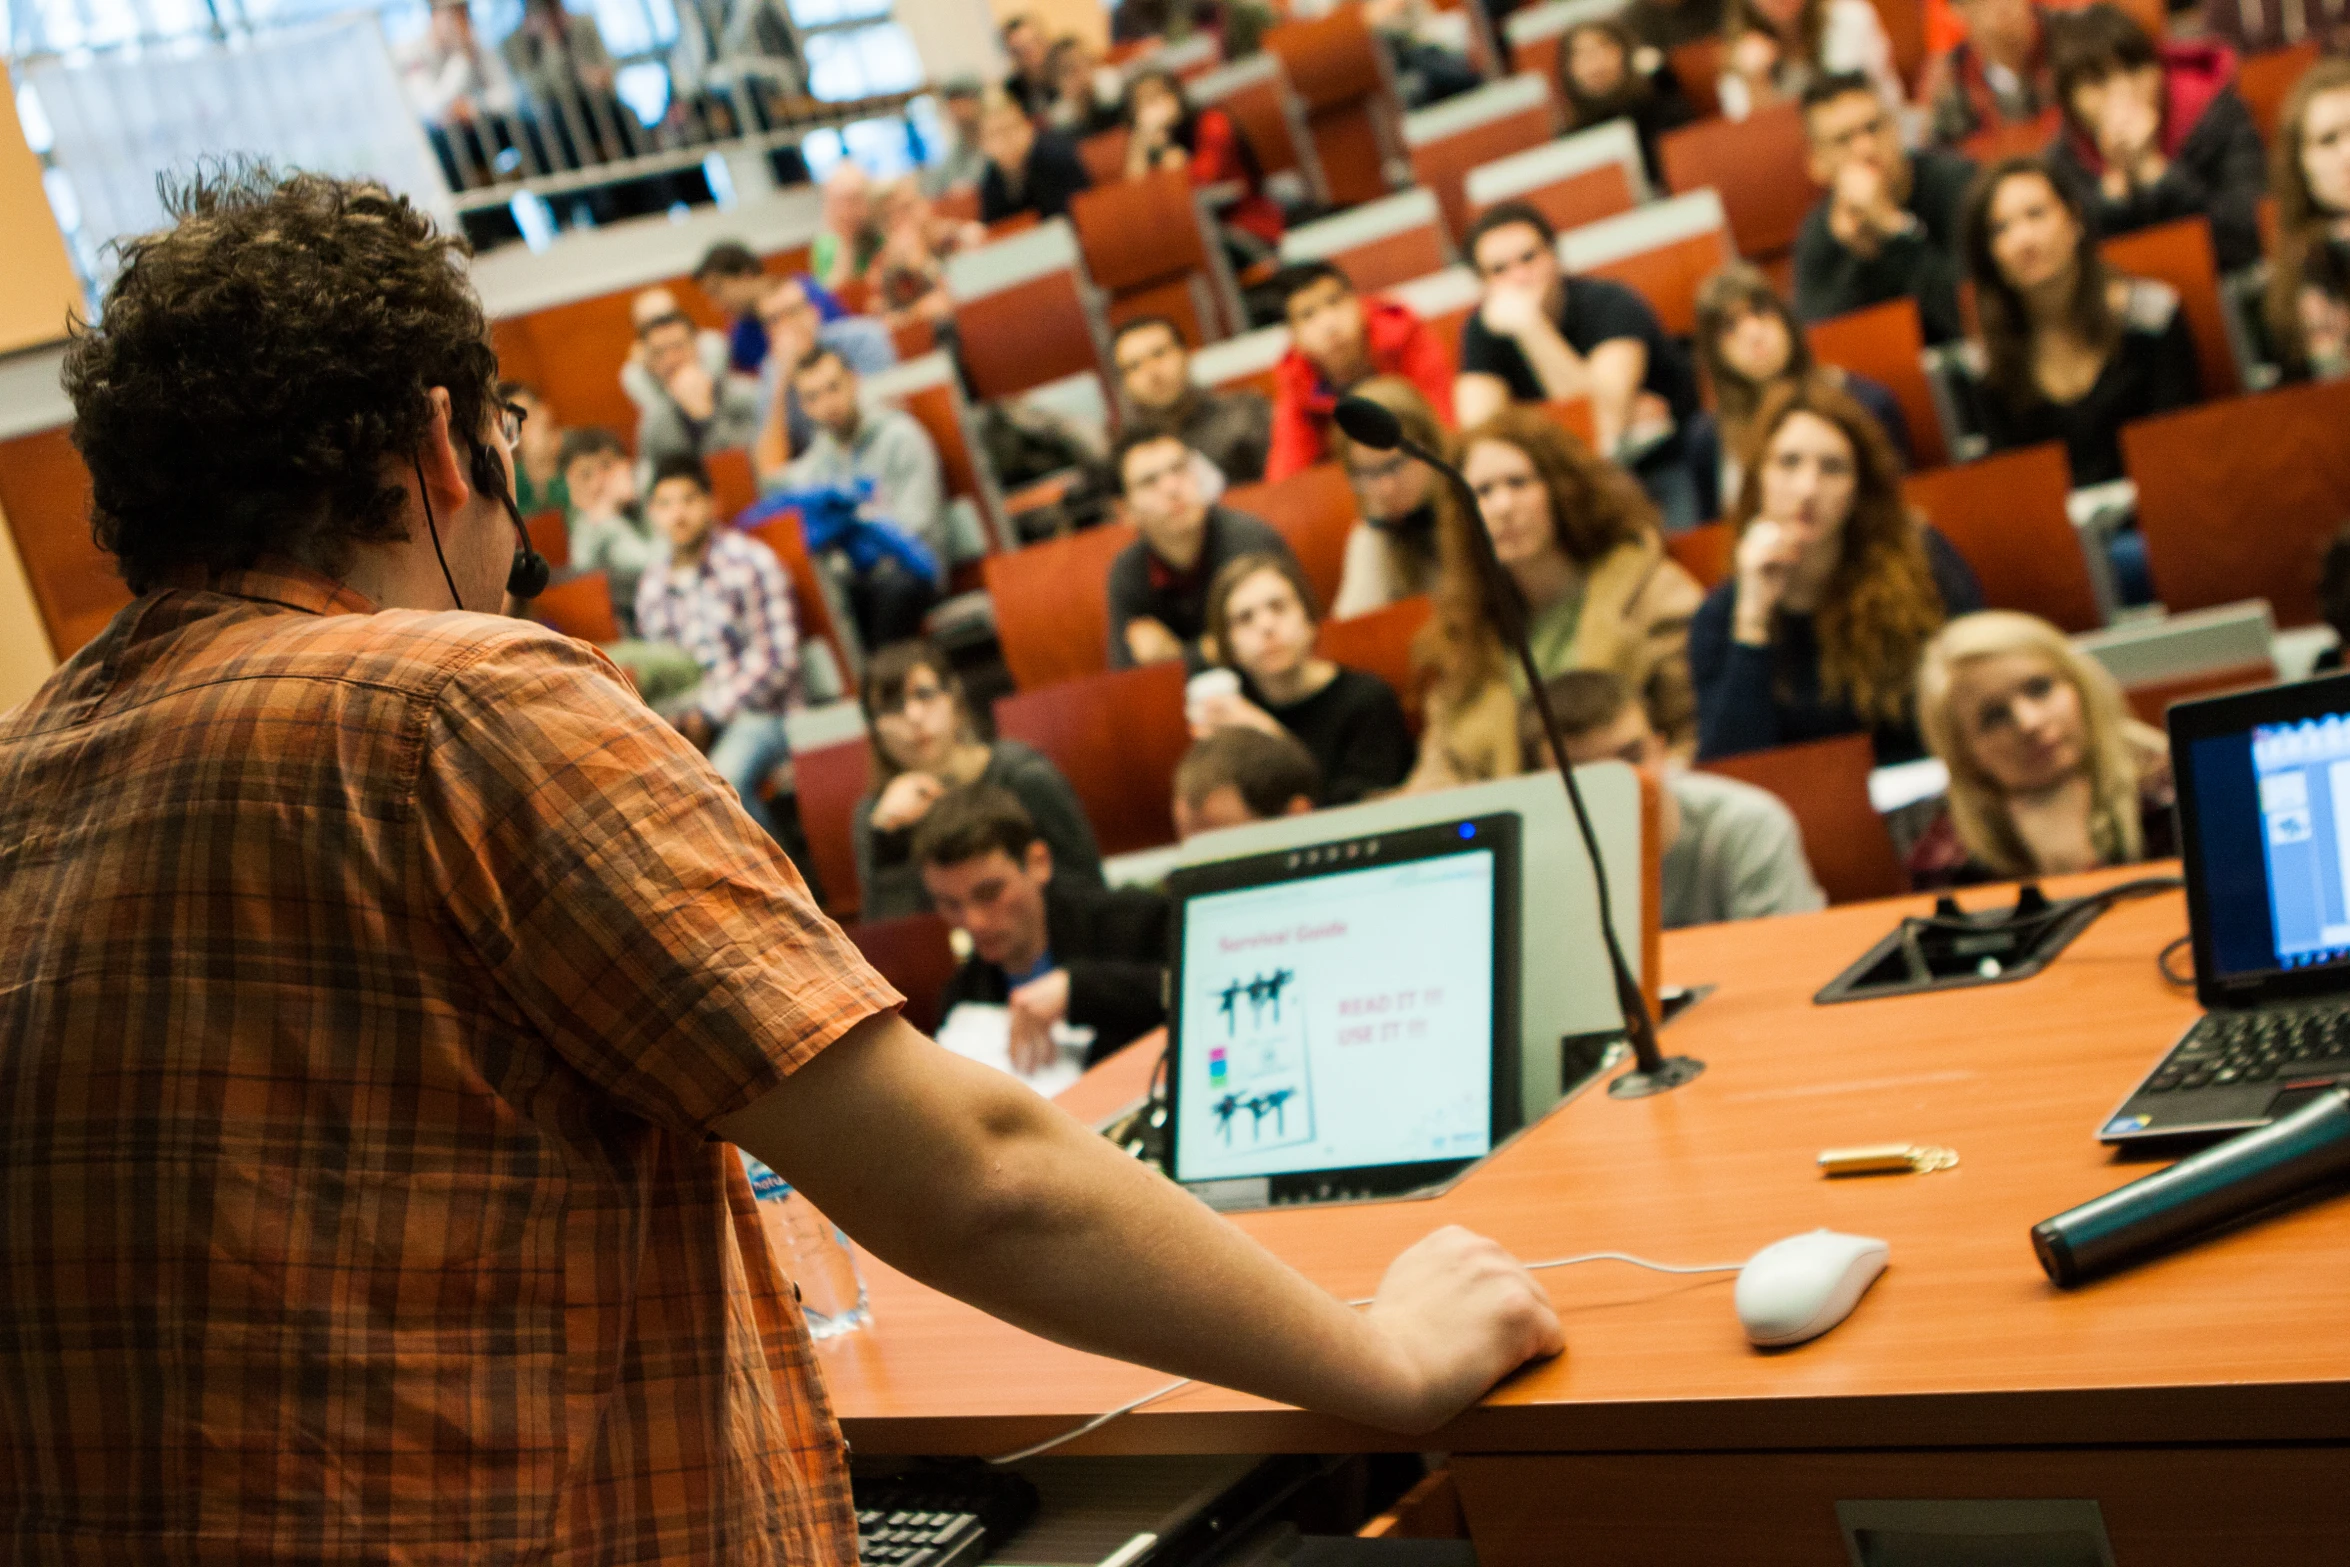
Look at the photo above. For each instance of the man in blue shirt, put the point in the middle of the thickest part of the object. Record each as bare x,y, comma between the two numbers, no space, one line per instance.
735,281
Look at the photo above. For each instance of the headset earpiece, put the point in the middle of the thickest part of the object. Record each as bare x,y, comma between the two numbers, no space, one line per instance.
527,577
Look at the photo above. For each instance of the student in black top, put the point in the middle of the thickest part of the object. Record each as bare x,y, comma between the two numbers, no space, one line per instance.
1889,226
1603,77
2065,351
2308,305
1158,587
1049,949
1835,591
1028,170
1263,621
1540,336
925,744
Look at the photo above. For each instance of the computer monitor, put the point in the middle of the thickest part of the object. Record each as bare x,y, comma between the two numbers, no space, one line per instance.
1342,1016
2264,814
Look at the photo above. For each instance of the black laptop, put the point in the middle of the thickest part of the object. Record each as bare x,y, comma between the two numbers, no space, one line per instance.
2264,817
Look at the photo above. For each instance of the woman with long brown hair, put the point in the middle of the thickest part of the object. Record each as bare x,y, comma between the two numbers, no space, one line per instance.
2309,278
1583,544
1835,590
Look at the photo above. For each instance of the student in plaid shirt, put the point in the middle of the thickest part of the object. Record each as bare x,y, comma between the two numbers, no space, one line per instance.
381,983
724,598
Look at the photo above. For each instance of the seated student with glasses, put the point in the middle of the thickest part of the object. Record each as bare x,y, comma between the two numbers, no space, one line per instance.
1889,226
926,744
1391,549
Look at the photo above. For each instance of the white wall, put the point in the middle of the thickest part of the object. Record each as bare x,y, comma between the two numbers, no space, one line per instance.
954,36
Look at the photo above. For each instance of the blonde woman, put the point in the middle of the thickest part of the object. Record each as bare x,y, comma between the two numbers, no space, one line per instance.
2048,771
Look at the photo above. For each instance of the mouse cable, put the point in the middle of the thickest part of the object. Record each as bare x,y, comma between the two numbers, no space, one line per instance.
1180,1383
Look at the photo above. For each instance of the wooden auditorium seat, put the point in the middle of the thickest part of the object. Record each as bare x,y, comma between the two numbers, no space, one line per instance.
733,486
1663,251
1905,30
45,498
2264,80
579,607
1104,155
1191,58
1572,181
1697,66
913,953
1052,607
1314,509
1886,344
1758,166
1442,301
1448,139
1826,784
1116,737
929,390
2204,652
827,783
1026,312
2238,499
2013,138
818,617
550,535
1243,361
1380,643
1255,91
1533,34
1340,71
1378,244
1704,552
1151,246
2006,515
1571,414
2179,253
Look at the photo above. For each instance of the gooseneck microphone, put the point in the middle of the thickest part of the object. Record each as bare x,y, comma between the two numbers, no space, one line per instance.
1652,1072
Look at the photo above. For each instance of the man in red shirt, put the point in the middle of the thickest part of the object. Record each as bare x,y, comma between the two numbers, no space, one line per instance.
1336,339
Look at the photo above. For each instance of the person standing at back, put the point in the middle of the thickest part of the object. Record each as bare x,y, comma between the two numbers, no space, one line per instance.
382,982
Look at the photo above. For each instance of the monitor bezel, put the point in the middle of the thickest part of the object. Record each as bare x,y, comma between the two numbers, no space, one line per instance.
1498,833
2217,718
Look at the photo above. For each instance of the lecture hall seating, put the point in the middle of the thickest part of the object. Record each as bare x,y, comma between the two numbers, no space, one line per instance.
1116,737
1340,71
1256,93
928,389
579,607
913,953
1534,33
2006,515
1826,784
1313,509
2179,253
1380,643
1152,248
1663,251
1026,312
827,783
1245,361
1446,140
1051,605
1886,344
1704,552
1757,165
1377,244
45,496
550,535
1442,301
1572,181
814,612
2264,81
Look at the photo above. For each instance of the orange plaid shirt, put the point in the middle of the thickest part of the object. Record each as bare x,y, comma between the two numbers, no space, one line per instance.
368,985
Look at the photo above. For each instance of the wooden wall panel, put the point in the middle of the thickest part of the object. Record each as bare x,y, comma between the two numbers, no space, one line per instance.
45,492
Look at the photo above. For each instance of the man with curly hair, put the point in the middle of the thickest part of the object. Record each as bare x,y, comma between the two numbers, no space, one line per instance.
380,980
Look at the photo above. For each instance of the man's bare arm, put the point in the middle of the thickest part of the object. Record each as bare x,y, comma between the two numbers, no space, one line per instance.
966,1180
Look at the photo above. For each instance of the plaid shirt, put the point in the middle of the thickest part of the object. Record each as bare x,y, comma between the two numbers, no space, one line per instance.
368,985
733,613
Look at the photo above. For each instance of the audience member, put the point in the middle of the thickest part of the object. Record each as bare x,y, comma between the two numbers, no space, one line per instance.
1996,75
1834,591
1051,950
1158,587
735,68
453,81
1424,71
1337,339
1085,91
2065,350
878,467
1581,543
1164,131
847,235
960,163
1731,851
558,59
2308,314
1665,25
724,598
1888,227
2258,26
2048,771
1231,777
2155,131
1233,430
609,533
907,281
1775,50
925,745
1031,83
1262,621
795,329
538,453
1603,76
1391,549
1539,335
1749,345
1028,170
646,307
734,279
698,406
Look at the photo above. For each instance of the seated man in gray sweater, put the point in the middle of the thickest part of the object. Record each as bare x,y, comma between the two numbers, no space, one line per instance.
886,453
1731,851
694,403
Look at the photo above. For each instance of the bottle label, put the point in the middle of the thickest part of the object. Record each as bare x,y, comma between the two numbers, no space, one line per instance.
766,1185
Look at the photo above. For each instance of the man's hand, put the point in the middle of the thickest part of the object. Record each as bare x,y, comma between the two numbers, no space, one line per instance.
2129,139
1861,210
695,725
1150,642
1461,1314
694,389
1036,1007
1766,557
1754,56
1230,711
905,800
1511,312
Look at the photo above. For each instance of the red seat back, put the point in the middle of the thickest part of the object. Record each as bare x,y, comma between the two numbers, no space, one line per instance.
1758,165
1886,344
1580,198
1116,737
2264,81
1704,552
579,607
912,952
1443,163
1380,643
811,608
1826,784
2180,254
1314,509
827,783
1052,609
2006,515
550,536
1338,68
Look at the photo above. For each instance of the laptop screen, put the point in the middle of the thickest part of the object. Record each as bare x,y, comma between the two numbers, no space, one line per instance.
2272,808
1340,1020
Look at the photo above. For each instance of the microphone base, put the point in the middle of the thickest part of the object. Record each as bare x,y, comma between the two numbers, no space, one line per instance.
1670,1074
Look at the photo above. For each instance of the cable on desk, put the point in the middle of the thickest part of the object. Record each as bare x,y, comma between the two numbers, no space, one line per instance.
2162,962
1180,1383
2058,908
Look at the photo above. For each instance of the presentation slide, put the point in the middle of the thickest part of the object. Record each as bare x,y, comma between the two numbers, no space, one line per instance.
1339,1021
2304,778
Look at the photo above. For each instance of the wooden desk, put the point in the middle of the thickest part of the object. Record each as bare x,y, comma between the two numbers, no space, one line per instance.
2170,1393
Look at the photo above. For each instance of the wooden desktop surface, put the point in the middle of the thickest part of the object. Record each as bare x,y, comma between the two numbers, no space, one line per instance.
1962,1343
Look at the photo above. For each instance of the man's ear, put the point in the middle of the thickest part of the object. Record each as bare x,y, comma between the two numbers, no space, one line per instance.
1038,862
443,460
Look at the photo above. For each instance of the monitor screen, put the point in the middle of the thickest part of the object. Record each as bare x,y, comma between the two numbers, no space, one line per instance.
1339,1021
2272,807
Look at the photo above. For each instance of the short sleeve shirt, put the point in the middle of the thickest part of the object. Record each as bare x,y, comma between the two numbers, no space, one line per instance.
369,984
1593,311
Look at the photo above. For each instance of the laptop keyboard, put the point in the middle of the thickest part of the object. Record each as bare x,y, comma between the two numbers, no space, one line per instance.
2256,1047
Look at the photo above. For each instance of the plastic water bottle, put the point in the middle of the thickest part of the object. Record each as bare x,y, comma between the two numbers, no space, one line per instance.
813,1253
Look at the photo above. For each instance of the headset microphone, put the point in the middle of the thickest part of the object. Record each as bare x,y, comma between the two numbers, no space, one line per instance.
527,577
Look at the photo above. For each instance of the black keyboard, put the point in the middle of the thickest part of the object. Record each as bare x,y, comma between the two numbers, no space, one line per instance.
939,1514
2225,1048
920,1539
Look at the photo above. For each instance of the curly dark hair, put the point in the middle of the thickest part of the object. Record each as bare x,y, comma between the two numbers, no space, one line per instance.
257,365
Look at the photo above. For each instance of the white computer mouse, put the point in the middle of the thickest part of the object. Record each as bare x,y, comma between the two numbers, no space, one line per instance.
1800,1287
